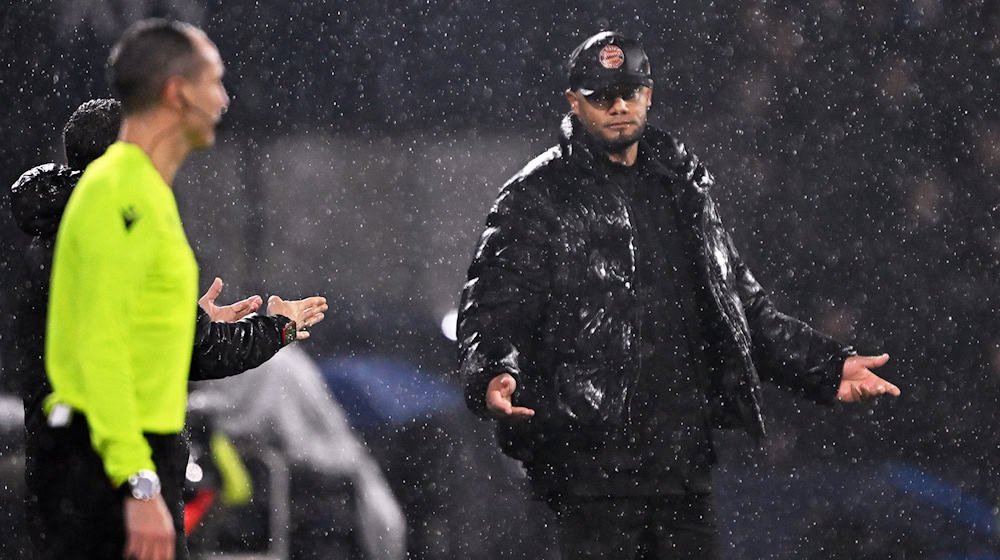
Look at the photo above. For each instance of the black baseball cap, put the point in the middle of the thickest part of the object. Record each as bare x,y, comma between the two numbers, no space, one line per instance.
606,59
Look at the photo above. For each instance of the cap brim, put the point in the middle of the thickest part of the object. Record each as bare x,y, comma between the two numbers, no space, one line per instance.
591,87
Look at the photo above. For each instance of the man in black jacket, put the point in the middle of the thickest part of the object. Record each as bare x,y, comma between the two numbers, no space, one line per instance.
606,291
227,340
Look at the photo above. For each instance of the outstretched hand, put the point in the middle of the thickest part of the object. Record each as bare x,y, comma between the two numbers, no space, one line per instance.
305,312
498,401
858,383
227,313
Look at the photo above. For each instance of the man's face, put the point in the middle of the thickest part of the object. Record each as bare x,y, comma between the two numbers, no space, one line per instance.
205,98
615,116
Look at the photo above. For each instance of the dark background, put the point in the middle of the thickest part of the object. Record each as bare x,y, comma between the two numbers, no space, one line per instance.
856,148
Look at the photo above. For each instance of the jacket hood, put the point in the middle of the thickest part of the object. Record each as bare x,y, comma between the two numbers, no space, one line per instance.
39,196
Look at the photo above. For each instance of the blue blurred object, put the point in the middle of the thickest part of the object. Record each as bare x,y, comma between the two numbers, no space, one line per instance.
379,390
927,488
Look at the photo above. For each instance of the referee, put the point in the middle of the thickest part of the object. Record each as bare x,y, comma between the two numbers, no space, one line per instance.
122,310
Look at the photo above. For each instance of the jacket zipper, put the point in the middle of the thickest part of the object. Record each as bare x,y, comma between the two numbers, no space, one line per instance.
633,288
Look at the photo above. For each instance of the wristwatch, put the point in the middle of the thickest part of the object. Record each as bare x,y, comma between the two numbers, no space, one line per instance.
288,333
144,485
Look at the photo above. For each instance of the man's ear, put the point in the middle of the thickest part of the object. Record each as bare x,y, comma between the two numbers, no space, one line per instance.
173,94
574,103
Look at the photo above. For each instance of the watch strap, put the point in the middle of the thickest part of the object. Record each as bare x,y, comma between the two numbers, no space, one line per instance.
288,333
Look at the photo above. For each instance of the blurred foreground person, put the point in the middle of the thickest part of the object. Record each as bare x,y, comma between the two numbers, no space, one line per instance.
227,340
609,324
122,322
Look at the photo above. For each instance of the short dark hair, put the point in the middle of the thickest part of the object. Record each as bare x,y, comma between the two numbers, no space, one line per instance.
148,53
90,130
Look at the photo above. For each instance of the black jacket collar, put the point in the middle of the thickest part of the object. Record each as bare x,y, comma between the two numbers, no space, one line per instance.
665,156
667,161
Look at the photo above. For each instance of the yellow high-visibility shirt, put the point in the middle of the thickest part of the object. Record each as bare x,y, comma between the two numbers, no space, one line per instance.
122,306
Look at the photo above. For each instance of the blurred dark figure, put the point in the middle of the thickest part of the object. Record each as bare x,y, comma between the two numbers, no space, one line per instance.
90,130
37,202
607,291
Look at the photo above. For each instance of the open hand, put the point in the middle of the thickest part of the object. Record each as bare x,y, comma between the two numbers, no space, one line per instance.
305,312
859,383
498,402
227,313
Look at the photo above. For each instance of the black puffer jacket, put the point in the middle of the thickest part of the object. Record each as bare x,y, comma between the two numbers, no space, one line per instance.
37,201
551,299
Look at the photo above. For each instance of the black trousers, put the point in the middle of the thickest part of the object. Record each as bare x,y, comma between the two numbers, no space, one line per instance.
73,511
647,528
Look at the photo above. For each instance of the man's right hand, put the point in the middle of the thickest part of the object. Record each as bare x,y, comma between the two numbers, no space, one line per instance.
228,313
498,401
149,530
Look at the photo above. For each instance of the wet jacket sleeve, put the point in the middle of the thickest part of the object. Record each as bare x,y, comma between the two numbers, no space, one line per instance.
222,349
785,350
507,289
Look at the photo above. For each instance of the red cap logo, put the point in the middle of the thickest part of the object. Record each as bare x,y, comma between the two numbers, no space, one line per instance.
611,57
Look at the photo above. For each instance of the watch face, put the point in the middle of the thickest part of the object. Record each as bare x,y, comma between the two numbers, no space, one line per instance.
145,485
142,489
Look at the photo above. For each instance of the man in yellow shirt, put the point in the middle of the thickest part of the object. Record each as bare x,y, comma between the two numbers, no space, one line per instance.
121,309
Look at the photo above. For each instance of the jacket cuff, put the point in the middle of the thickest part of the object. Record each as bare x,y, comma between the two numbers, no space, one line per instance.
479,367
832,374
284,325
475,393
477,383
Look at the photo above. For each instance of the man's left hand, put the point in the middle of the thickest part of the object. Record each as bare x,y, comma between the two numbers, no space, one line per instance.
858,383
227,313
305,312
